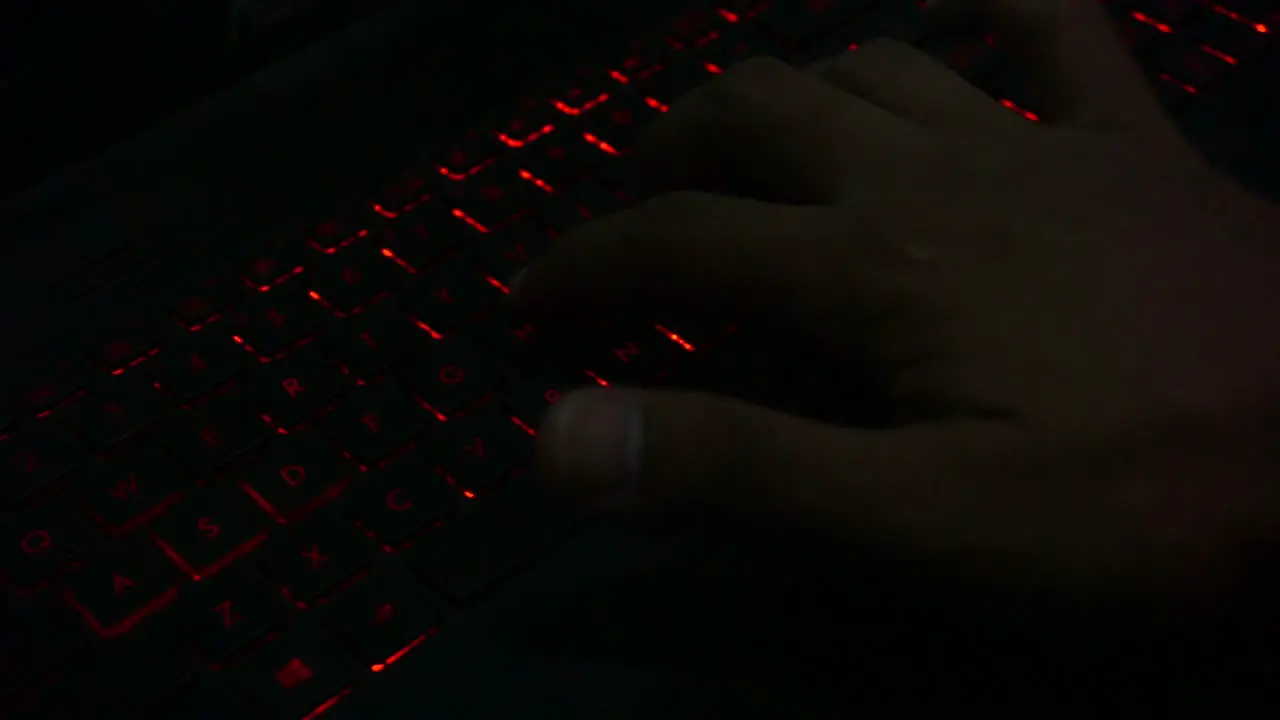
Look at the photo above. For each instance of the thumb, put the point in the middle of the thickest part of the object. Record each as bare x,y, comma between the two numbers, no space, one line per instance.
641,450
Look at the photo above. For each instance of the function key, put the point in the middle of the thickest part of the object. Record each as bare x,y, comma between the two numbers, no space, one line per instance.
129,491
400,500
296,473
223,616
120,586
270,323
299,674
39,541
35,458
315,557
209,530
383,617
374,422
116,409
197,362
295,388
368,344
216,433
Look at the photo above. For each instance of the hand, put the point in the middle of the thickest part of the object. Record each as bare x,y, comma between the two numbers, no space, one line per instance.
1078,302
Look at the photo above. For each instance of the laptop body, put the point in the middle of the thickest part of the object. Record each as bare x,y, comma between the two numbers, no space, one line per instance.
607,619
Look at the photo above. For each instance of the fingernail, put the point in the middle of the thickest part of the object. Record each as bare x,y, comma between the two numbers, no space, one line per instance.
596,440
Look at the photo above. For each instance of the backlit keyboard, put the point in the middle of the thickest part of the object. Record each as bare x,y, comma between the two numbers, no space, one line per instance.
250,500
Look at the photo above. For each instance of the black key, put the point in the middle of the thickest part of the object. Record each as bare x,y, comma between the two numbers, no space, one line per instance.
129,491
349,280
801,20
468,155
315,557
373,422
292,389
40,540
619,122
119,407
35,458
400,500
1137,36
1169,11
383,617
422,237
696,26
1188,64
684,73
275,261
129,341
120,586
53,384
531,397
143,672
196,363
505,253
216,433
580,204
225,615
369,343
495,195
498,535
349,226
519,344
637,355
902,20
269,323
532,121
450,299
476,450
408,191
562,157
1239,40
739,43
585,95
35,637
297,472
452,375
207,299
209,530
297,673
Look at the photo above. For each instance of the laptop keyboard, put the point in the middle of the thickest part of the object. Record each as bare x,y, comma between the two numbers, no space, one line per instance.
251,499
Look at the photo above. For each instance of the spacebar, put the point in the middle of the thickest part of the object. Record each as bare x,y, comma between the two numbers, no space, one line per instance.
494,538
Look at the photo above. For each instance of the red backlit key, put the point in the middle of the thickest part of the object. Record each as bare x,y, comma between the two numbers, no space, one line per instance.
527,348
495,195
119,407
223,616
738,43
1240,40
1189,64
510,250
374,422
346,230
349,280
562,157
533,396
1169,11
196,363
40,540
35,637
294,388
499,534
207,299
297,472
370,343
35,458
215,433
315,557
452,375
639,355
274,262
682,74
533,120
409,191
269,323
383,617
583,203
298,674
422,237
400,500
130,490
53,384
209,530
476,450
696,27
468,156
444,303
129,341
120,586
618,123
